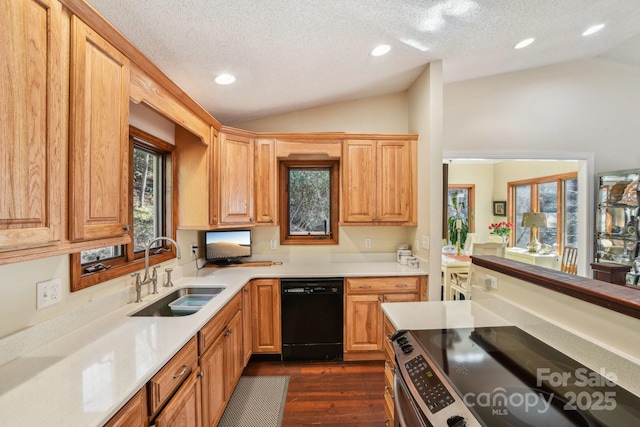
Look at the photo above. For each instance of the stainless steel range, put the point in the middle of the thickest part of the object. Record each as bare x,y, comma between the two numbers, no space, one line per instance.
500,376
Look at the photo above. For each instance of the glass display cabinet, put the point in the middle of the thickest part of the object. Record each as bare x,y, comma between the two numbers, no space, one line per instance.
617,233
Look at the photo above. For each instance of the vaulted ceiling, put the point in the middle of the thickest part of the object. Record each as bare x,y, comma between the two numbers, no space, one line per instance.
289,55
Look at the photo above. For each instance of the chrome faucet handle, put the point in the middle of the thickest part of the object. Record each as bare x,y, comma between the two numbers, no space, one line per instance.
154,278
138,285
169,283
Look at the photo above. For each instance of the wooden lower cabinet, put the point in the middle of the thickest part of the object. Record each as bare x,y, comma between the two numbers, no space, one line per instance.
221,365
363,316
133,414
266,328
389,372
247,341
184,408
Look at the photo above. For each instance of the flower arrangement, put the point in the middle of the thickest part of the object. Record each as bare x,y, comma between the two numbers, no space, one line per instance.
502,229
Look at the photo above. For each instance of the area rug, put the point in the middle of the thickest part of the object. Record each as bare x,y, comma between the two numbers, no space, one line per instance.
256,402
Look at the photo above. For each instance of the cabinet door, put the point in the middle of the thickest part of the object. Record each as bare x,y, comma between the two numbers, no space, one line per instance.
234,355
184,408
246,323
266,177
133,414
266,330
214,398
363,323
99,148
32,124
236,179
359,181
394,181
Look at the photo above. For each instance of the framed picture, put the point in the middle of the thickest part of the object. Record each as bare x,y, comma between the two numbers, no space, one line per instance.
500,208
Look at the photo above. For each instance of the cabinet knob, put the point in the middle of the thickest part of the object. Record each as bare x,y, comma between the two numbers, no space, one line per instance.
126,228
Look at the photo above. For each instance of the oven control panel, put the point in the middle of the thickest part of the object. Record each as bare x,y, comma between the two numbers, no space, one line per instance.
429,387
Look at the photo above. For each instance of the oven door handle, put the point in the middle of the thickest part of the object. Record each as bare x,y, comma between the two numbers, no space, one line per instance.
398,414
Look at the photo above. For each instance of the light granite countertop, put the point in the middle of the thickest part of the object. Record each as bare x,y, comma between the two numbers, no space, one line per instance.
84,376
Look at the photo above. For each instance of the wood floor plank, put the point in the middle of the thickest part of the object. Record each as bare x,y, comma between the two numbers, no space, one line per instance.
346,394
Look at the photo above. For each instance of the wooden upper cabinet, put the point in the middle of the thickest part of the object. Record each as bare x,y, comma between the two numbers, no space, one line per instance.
32,124
359,181
99,146
379,182
236,179
266,179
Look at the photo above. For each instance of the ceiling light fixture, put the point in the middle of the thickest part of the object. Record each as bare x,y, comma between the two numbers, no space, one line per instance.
380,50
224,79
593,29
524,43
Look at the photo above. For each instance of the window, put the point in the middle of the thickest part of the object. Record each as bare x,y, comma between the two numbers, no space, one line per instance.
150,184
461,202
557,196
309,202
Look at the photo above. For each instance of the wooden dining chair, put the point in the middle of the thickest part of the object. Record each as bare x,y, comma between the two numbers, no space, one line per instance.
569,260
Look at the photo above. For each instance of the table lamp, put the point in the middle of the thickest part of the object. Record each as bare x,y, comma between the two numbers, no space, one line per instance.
534,220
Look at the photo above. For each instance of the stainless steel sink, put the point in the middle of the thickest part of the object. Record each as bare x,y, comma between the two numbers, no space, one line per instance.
161,307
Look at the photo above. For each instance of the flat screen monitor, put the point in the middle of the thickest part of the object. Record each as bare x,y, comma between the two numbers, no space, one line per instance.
227,246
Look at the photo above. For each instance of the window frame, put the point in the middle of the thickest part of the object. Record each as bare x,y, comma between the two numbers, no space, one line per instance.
283,192
560,196
471,205
130,261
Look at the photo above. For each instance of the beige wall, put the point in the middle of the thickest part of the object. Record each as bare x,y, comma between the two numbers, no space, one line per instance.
381,114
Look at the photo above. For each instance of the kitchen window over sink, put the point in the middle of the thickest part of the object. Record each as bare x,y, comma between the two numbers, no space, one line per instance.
150,213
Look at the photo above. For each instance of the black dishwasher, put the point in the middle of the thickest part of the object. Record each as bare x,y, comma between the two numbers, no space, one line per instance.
312,313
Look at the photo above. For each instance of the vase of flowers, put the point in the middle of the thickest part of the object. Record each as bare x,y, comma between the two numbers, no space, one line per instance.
502,229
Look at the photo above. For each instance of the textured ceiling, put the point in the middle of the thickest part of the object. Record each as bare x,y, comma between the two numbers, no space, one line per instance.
289,55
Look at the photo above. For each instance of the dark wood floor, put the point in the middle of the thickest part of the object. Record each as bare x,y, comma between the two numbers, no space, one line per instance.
329,393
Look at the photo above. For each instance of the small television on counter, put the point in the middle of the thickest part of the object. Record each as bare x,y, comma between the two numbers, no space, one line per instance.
225,247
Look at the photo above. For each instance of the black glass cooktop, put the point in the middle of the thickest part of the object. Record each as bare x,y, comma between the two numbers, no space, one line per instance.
509,378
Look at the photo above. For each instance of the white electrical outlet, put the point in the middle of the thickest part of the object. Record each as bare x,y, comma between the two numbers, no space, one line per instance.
194,250
272,244
367,243
425,242
48,293
491,282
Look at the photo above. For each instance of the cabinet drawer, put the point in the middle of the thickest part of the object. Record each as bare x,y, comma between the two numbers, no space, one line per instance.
133,413
367,285
215,326
169,378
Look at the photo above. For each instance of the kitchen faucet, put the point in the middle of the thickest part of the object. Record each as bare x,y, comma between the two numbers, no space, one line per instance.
154,278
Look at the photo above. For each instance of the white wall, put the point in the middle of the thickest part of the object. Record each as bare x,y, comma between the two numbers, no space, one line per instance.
580,106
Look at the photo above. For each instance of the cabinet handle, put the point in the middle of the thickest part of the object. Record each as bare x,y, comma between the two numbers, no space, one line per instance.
386,391
182,372
365,286
380,299
201,374
389,338
126,228
386,422
226,334
387,364
402,285
386,298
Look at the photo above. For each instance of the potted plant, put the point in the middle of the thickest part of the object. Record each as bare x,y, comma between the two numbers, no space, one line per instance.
502,229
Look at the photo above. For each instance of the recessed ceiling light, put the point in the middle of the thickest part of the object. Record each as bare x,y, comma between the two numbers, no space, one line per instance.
224,79
524,43
380,50
593,29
